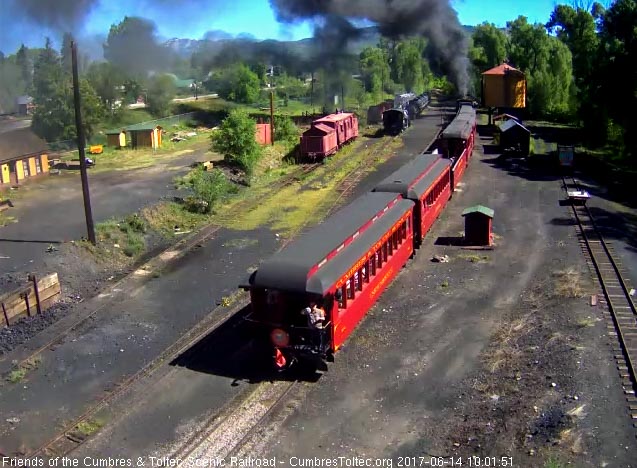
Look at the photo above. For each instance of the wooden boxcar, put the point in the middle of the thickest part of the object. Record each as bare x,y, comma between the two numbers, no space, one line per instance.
319,141
345,124
343,265
427,182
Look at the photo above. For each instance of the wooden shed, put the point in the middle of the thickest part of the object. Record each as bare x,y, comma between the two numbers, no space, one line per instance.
511,134
504,86
23,155
116,138
144,135
477,225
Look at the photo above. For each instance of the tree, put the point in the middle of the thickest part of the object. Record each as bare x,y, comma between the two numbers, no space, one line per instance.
237,83
374,68
54,117
236,140
66,53
489,47
106,79
26,69
132,46
618,68
11,85
290,87
161,91
412,69
285,130
547,63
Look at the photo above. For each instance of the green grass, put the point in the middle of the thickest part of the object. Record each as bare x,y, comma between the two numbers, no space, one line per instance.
89,427
17,375
125,235
165,216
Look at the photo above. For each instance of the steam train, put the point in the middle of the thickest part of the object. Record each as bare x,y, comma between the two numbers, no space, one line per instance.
407,107
343,265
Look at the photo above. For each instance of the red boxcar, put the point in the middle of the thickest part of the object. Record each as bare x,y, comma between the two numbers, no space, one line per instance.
319,141
344,126
427,181
343,265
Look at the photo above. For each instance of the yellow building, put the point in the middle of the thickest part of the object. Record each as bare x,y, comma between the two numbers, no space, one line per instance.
504,86
116,138
145,135
23,155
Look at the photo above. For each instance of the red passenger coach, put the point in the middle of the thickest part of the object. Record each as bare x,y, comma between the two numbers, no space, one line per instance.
427,181
342,266
457,141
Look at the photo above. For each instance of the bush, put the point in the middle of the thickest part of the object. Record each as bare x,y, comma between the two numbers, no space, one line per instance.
285,130
133,223
236,140
208,187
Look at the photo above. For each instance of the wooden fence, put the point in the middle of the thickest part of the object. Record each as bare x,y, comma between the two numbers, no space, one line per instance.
30,299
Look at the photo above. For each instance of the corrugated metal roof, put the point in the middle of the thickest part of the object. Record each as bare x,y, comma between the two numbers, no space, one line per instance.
21,142
289,269
502,70
141,127
479,209
509,124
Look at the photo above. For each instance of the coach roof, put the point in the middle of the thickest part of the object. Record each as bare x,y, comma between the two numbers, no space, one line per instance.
290,269
413,179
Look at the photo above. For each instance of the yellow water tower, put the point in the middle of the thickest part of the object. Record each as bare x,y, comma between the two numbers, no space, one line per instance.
504,86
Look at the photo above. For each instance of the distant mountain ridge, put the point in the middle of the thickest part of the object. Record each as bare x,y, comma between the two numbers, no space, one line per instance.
186,47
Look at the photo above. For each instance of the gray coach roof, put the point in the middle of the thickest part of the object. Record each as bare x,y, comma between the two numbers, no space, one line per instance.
409,180
460,127
288,270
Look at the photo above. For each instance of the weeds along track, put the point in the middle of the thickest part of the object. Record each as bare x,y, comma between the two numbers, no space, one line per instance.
621,308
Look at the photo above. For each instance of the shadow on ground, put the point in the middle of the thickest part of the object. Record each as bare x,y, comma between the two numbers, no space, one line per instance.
232,351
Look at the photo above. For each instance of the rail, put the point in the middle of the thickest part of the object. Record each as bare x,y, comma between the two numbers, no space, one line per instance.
620,303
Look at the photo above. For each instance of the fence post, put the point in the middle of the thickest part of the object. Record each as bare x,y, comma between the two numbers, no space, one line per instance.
37,293
6,317
26,302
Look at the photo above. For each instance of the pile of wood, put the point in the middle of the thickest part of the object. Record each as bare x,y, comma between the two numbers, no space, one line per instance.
35,297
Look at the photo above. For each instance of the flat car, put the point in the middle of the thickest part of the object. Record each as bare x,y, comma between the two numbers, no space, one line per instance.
343,265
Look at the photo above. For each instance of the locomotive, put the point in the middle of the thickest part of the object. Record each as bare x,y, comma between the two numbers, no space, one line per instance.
339,268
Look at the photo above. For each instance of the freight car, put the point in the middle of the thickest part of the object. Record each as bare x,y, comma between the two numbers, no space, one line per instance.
341,266
328,134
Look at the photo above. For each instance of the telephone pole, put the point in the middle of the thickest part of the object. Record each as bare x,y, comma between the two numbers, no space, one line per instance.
81,143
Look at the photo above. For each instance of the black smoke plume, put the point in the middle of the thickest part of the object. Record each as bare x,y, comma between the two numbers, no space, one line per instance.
435,20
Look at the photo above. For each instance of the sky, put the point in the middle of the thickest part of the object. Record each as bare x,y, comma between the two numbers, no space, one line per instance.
254,17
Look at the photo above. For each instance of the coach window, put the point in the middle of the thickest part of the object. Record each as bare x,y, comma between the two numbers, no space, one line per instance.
343,301
367,269
360,279
385,255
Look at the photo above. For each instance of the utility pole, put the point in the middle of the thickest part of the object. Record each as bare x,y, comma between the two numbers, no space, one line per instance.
272,117
81,143
312,95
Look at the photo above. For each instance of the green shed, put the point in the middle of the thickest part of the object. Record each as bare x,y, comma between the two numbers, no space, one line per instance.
478,221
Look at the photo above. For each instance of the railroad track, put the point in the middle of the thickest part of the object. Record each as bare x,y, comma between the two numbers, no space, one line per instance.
261,401
622,311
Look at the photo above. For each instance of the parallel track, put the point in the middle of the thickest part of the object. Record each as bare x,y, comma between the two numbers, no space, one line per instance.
621,307
69,438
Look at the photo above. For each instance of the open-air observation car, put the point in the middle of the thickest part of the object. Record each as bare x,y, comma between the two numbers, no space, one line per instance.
341,265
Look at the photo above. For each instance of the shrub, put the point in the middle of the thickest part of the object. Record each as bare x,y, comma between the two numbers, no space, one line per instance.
236,140
285,130
208,187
